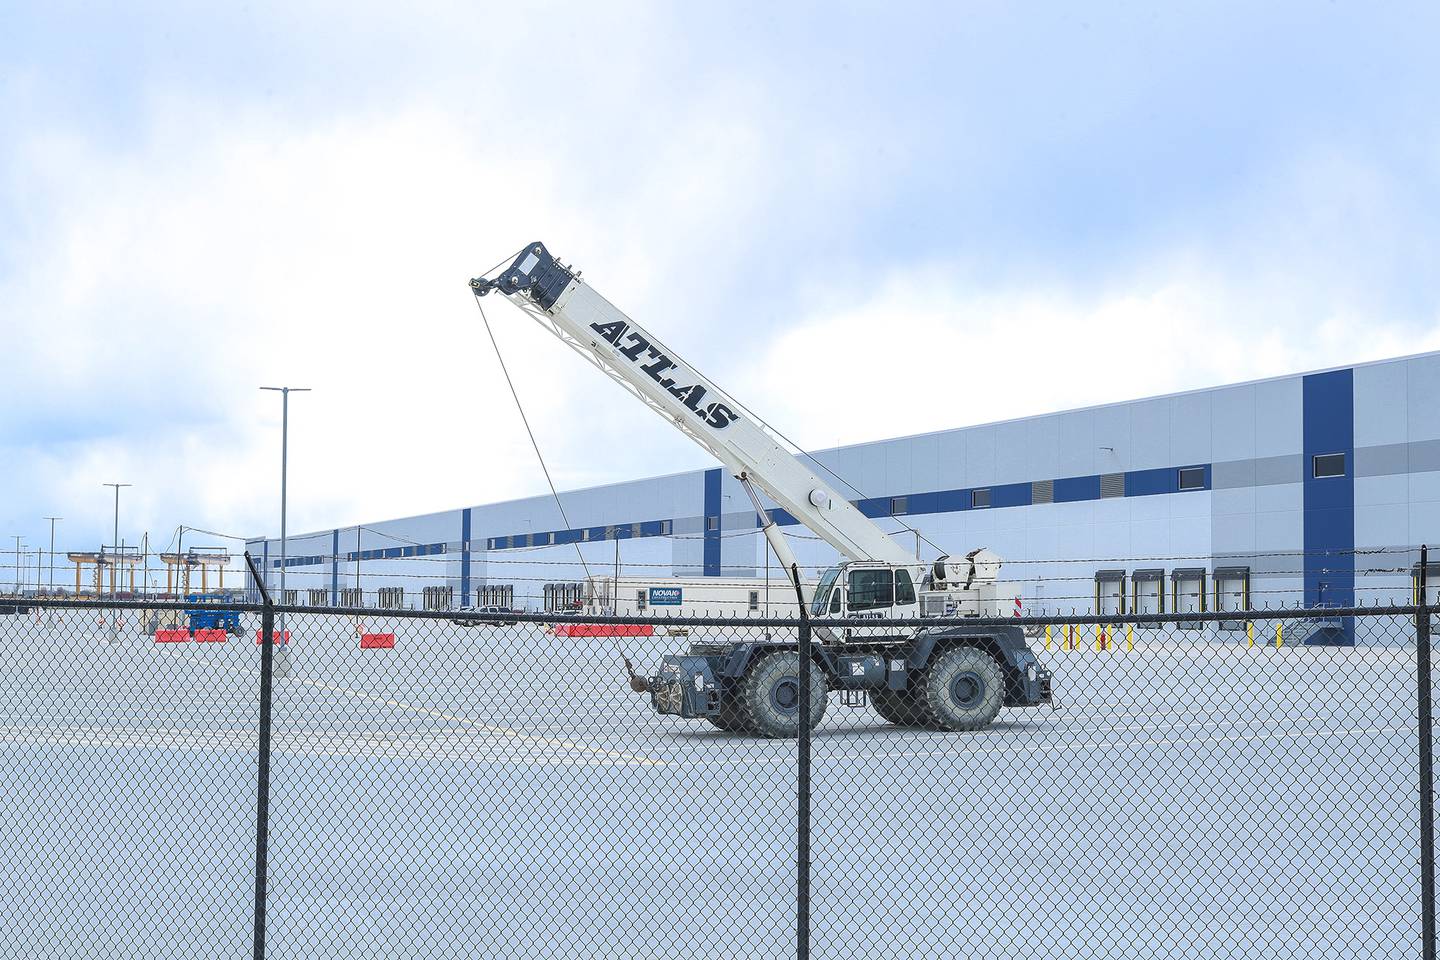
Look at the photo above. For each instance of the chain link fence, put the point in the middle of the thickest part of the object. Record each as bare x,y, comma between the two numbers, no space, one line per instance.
436,785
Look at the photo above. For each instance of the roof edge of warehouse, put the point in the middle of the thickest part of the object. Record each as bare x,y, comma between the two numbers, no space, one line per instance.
908,436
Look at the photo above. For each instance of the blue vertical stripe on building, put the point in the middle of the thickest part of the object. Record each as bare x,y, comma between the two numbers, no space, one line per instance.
465,557
712,509
1329,502
335,569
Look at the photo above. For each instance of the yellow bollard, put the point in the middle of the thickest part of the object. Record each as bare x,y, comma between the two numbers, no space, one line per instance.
1279,634
1250,633
1129,637
1047,636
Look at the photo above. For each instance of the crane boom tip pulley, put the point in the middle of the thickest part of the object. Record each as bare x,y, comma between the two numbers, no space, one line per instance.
534,271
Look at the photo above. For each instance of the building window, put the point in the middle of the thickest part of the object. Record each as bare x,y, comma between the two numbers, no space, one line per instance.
542,539
1192,478
1329,465
664,528
712,523
754,599
585,534
899,506
980,498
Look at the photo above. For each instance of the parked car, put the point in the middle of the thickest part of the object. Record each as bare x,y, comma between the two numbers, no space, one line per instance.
479,616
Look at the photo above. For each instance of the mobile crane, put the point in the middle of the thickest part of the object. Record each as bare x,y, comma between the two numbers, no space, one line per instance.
951,677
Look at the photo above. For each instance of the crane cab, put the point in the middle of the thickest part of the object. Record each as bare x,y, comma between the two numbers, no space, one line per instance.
866,591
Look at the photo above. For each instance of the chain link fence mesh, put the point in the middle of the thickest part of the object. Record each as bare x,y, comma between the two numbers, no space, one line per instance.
444,786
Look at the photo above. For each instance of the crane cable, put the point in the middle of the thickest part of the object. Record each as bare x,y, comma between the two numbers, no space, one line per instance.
637,683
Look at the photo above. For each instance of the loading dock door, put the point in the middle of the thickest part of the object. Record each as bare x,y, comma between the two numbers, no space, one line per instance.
1232,592
1110,593
1187,592
1149,591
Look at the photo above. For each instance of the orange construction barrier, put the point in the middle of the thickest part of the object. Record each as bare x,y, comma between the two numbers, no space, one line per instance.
604,629
211,636
172,636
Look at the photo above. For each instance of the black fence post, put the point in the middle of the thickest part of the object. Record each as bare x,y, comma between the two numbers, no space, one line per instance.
802,786
262,776
1427,780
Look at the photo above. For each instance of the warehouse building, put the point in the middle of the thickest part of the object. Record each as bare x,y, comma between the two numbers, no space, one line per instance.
1311,489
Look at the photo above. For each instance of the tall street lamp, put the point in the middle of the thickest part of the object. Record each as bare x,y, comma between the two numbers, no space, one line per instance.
50,579
115,541
284,459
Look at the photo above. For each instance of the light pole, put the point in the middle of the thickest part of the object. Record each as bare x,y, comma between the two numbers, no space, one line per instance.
19,589
115,542
284,460
50,585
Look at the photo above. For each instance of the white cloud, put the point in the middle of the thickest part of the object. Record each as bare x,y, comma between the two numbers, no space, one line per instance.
170,284
923,353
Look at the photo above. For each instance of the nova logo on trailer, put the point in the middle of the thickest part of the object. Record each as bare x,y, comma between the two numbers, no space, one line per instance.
664,596
631,345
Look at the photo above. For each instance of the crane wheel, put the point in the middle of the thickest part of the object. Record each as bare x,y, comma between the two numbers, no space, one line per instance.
962,689
770,695
898,707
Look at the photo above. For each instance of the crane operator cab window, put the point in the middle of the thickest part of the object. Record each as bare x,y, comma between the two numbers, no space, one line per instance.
826,599
869,591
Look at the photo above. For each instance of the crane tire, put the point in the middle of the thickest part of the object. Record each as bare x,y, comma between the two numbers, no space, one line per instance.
962,689
898,707
769,695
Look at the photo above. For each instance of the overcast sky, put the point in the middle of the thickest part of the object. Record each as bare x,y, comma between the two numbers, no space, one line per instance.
866,220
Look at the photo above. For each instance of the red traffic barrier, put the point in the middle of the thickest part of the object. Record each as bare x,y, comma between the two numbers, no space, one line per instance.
281,637
377,641
172,636
211,636
604,629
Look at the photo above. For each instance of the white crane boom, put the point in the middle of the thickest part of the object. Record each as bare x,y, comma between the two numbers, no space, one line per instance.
568,307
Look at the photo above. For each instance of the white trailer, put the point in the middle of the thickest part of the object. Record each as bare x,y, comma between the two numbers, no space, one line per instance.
690,596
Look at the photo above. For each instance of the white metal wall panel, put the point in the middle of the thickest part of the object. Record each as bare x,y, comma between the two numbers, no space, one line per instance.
1077,444
1150,435
1011,462
980,455
1423,389
1279,417
1380,391
1232,423
950,453
1190,428
925,464
1041,446
1111,428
